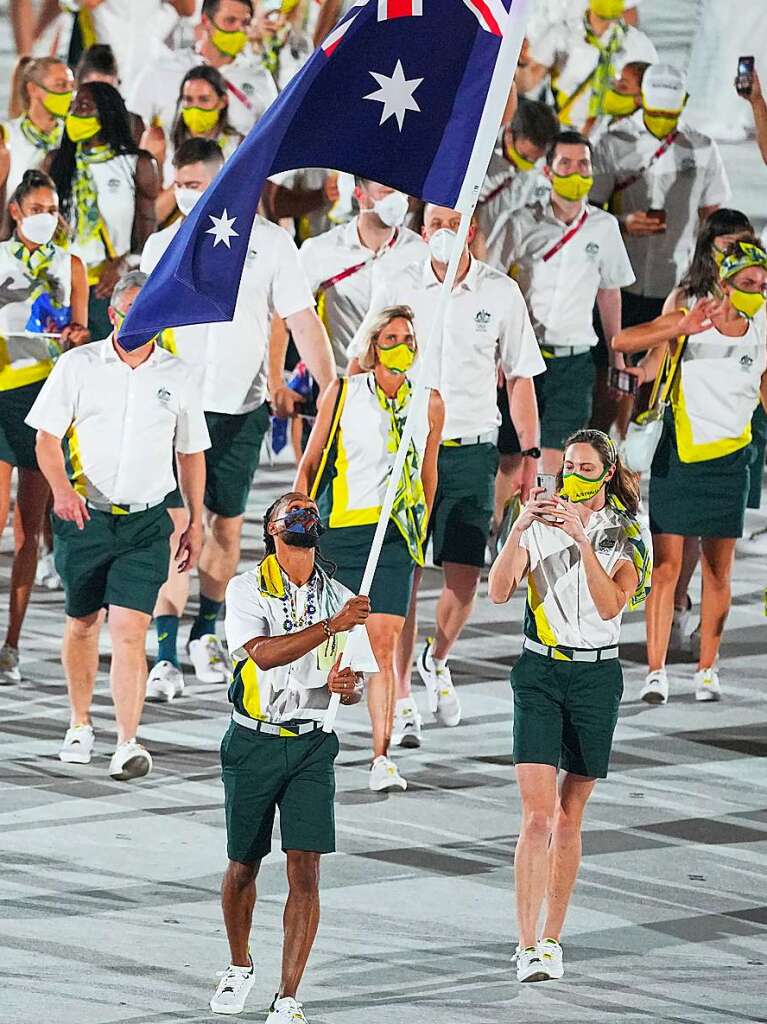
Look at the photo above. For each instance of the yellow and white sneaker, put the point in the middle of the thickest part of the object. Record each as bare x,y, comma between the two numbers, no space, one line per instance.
707,685
443,700
550,952
233,989
384,775
406,731
530,966
655,689
286,1011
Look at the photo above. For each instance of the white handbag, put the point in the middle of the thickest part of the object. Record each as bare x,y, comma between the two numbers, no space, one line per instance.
646,430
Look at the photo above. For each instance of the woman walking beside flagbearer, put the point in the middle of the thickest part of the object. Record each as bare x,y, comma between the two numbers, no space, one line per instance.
586,559
349,457
699,480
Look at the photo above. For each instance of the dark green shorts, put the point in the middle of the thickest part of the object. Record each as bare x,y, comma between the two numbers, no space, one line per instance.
17,440
463,506
565,713
232,459
262,773
349,547
565,397
115,560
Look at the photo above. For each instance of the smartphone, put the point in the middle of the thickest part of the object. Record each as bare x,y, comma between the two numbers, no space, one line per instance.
619,380
548,482
657,215
744,80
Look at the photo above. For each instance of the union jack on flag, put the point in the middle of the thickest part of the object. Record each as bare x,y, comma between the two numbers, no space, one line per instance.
402,101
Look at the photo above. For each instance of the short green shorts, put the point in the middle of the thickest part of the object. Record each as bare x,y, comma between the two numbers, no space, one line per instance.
116,560
261,773
349,547
463,506
232,459
17,440
565,397
565,712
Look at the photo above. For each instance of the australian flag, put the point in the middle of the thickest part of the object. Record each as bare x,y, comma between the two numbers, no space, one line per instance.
396,94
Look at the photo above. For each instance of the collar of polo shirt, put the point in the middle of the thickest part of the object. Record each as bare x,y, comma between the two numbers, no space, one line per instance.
430,279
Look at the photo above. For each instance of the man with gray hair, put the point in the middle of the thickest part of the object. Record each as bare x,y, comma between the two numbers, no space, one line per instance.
109,423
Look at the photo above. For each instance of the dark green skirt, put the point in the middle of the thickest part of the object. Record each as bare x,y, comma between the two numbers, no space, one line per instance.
697,499
757,449
349,546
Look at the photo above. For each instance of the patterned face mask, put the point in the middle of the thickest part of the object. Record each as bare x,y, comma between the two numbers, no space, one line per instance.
577,488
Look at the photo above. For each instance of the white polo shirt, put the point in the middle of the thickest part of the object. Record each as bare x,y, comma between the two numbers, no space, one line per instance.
232,355
154,94
121,425
576,59
561,291
560,609
258,603
688,176
507,189
486,319
345,303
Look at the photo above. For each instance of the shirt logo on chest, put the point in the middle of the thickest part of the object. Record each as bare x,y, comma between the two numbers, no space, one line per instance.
592,250
247,88
482,319
605,545
113,184
164,395
746,362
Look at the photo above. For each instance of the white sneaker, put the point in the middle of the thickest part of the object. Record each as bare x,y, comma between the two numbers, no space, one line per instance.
530,967
209,659
680,628
384,775
130,761
443,700
655,689
233,989
286,1011
407,724
550,952
45,574
707,685
9,666
165,682
77,747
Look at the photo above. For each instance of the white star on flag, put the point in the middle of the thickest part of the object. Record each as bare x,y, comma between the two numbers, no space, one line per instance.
396,94
222,229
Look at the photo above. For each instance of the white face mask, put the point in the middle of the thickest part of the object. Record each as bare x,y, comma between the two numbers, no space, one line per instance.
392,209
39,227
441,245
186,199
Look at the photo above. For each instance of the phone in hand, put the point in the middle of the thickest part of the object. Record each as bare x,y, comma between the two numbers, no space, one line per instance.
548,482
744,80
621,381
659,216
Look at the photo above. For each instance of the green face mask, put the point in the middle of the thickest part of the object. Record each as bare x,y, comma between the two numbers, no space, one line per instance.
610,10
228,43
579,488
200,121
398,358
81,128
660,125
57,103
519,161
573,187
748,304
617,104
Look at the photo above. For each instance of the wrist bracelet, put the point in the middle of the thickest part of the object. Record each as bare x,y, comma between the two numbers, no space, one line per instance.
327,628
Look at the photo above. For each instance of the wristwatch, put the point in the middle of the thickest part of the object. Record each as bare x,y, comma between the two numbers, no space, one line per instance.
531,453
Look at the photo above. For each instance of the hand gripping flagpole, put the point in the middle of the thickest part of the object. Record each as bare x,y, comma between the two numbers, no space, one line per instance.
484,143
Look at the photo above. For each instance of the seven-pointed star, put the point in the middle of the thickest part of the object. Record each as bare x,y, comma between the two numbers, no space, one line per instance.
222,229
396,94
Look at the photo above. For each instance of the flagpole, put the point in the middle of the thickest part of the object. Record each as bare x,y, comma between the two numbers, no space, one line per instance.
484,143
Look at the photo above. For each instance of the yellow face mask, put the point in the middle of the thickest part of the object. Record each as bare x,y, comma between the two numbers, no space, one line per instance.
57,103
228,43
748,304
398,358
577,488
611,10
200,121
617,104
81,128
661,125
573,187
519,161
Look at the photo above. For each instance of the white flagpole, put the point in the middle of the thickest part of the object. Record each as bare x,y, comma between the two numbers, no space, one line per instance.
484,143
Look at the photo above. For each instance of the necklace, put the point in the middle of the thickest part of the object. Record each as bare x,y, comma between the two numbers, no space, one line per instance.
290,607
